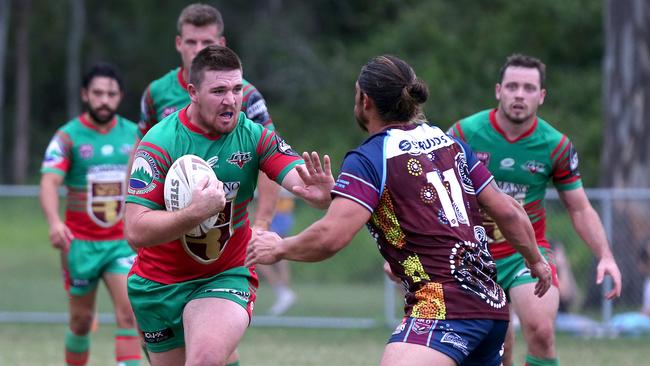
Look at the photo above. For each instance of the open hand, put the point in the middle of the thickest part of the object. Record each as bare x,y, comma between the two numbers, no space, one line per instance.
317,178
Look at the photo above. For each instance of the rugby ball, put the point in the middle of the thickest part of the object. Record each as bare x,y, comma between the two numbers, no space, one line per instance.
181,178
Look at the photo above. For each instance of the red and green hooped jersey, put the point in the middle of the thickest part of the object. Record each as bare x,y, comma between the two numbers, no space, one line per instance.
522,168
236,158
94,167
168,94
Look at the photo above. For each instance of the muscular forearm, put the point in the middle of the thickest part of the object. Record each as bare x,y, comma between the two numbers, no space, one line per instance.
590,229
268,193
145,228
316,243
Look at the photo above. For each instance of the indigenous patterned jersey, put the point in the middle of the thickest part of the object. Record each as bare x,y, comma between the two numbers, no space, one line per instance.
93,165
522,168
168,94
236,158
420,186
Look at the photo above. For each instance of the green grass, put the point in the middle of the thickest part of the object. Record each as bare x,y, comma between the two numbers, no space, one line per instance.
42,345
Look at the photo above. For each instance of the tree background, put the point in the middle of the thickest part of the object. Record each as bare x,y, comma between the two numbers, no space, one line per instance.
304,57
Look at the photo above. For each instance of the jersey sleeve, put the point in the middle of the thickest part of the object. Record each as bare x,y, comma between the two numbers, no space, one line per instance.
148,116
254,106
147,181
276,157
58,155
360,181
456,131
478,173
566,175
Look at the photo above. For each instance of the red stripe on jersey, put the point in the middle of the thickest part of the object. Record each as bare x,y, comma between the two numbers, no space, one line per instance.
495,125
263,142
243,204
557,148
461,134
150,113
181,81
165,154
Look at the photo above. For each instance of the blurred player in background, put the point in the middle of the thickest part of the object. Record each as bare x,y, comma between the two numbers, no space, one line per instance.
193,296
524,153
89,155
278,275
418,191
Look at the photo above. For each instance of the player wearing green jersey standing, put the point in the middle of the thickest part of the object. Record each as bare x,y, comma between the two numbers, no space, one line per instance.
524,153
89,155
192,295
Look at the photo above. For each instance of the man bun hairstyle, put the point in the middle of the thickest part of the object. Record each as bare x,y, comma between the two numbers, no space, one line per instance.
397,93
213,58
529,62
104,69
200,15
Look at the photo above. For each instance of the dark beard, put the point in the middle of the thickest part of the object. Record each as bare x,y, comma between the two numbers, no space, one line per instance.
101,120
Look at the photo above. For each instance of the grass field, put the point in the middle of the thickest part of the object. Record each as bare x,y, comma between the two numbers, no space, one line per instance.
30,281
42,345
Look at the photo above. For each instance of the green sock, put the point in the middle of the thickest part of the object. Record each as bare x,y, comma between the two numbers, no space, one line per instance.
236,363
534,361
76,348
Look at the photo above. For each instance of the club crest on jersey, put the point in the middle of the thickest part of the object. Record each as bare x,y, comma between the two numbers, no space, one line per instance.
283,147
534,167
144,173
240,158
167,111
86,151
507,163
104,203
484,157
54,152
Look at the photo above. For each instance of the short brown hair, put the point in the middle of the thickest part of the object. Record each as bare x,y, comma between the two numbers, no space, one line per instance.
394,88
200,15
213,58
529,62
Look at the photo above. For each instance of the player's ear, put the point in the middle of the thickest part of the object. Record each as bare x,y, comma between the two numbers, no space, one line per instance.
497,91
222,41
192,91
177,42
84,95
542,93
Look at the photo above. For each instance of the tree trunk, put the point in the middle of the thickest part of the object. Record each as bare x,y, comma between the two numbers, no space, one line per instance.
21,122
625,159
4,27
73,66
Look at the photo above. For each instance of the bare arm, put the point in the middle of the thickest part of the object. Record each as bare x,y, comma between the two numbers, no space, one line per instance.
268,194
590,229
145,227
321,240
59,234
516,227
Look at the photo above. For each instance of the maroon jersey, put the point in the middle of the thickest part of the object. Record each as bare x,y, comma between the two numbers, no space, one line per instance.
420,186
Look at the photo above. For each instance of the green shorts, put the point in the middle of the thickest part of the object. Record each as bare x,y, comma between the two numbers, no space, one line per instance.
87,261
159,307
512,271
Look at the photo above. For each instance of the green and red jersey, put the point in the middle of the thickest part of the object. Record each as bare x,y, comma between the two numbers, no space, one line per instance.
522,168
168,94
237,158
94,166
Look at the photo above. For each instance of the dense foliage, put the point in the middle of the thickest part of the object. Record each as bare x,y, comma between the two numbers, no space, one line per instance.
305,56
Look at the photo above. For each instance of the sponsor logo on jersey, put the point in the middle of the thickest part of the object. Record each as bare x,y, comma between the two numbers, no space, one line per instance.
54,152
240,158
167,111
105,194
144,173
86,151
456,341
573,159
417,147
534,167
507,163
283,147
107,150
158,336
256,109
484,157
514,190
126,148
77,282
242,295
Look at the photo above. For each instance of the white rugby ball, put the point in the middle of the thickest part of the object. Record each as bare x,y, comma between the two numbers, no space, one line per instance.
181,178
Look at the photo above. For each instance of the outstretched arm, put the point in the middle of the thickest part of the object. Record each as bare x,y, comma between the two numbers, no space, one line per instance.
589,227
312,182
321,240
516,227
